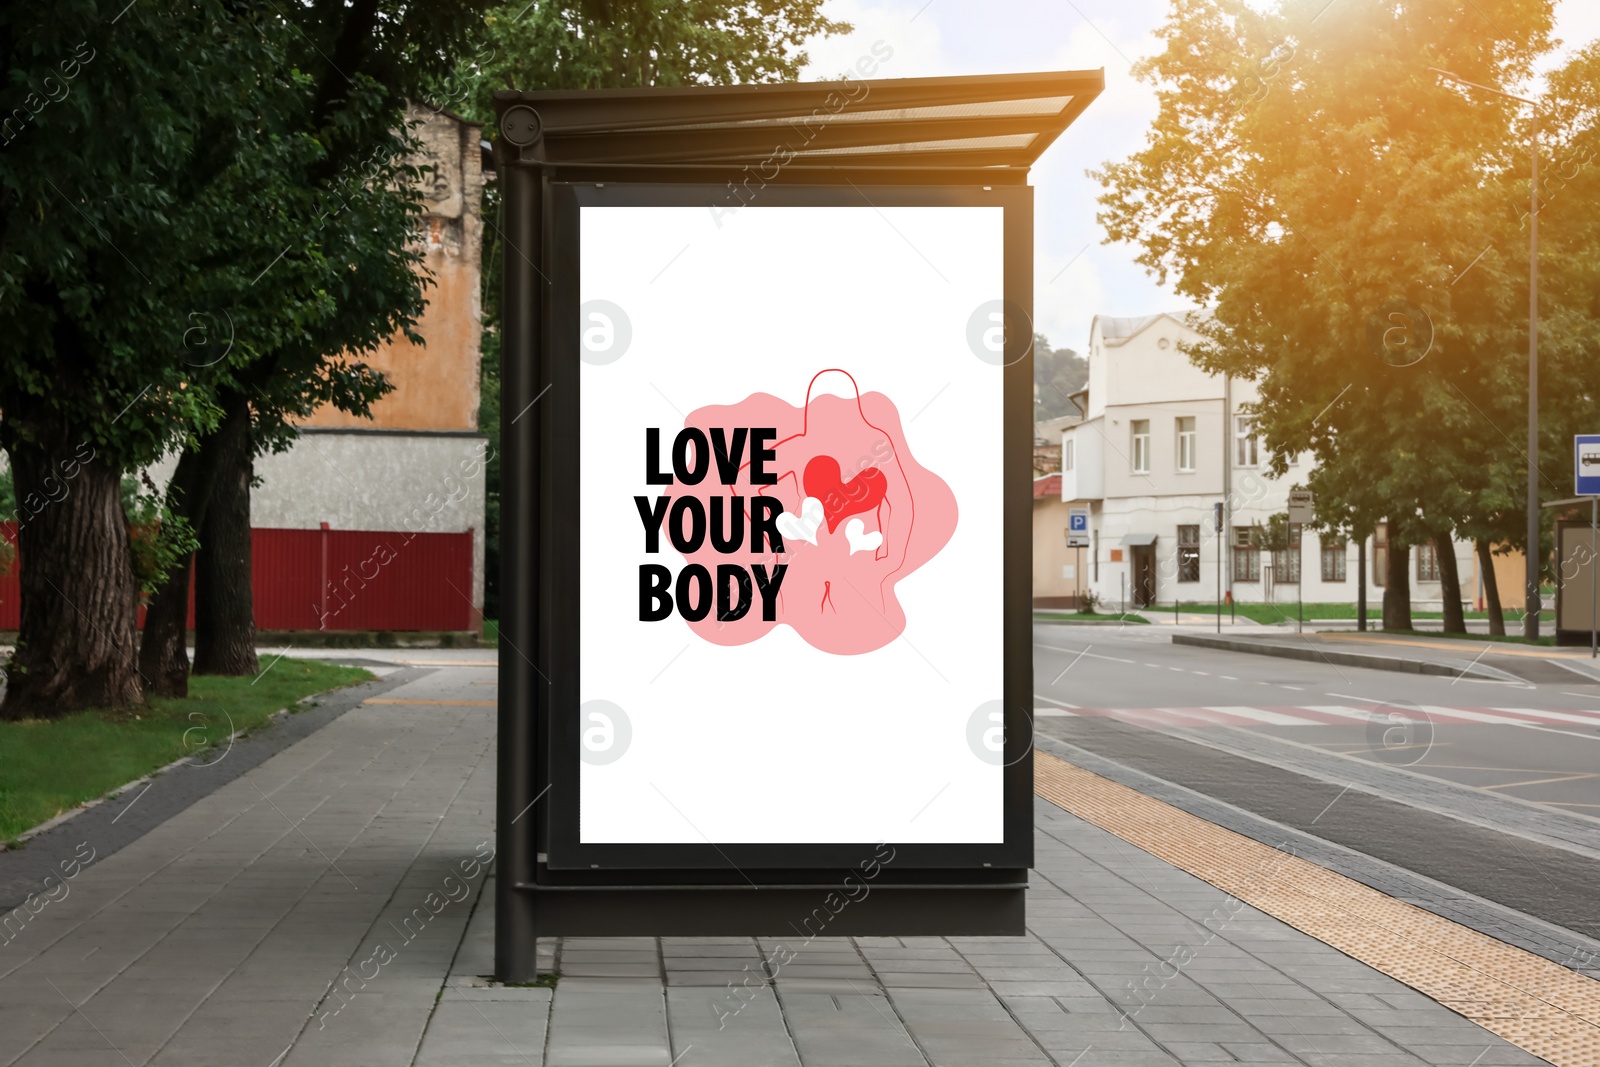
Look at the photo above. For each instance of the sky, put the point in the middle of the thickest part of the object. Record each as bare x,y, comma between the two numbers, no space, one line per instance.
1077,275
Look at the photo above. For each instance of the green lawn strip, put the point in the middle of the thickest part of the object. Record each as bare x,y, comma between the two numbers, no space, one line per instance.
1087,617
48,767
491,632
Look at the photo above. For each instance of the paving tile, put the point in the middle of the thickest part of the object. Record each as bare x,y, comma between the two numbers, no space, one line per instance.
601,1022
470,1033
710,1029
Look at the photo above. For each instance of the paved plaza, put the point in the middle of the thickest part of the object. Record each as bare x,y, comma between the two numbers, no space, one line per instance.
332,905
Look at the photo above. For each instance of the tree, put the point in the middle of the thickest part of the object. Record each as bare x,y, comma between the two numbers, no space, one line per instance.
1057,374
604,44
107,247
345,279
1367,277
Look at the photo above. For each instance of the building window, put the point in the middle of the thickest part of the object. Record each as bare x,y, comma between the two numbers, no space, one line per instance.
1286,561
1246,450
1141,446
1334,552
1246,556
1380,554
1069,451
1186,443
1188,553
1427,562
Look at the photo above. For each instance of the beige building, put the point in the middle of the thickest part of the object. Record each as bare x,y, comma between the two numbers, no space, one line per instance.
1057,569
1161,445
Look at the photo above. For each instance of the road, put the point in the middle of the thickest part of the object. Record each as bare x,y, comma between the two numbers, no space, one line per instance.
1488,787
1539,743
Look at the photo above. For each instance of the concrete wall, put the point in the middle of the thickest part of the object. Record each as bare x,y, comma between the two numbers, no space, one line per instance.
356,480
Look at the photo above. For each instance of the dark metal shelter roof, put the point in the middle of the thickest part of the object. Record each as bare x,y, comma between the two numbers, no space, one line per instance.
988,128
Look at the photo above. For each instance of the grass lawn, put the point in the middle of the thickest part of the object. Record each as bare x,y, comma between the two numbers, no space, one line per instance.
50,767
1092,617
491,632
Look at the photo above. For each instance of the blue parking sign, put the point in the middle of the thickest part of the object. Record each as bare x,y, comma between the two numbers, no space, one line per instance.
1078,521
1586,463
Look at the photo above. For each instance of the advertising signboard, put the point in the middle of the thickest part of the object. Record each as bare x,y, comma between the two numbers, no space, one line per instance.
790,530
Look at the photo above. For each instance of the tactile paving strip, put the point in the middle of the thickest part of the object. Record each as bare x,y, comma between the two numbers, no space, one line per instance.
1535,1004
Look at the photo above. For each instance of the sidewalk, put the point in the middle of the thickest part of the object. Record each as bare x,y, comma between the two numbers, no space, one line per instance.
1412,653
329,908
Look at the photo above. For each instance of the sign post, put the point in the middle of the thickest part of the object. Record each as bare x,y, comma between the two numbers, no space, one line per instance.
718,444
1217,531
1078,538
1586,479
1077,527
1302,512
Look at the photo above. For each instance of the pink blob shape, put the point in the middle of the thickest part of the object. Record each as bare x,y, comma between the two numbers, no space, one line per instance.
837,601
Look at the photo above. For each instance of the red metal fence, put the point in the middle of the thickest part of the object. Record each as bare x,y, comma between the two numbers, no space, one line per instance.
339,580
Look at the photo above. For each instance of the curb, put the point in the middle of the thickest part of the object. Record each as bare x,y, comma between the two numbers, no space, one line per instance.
1346,659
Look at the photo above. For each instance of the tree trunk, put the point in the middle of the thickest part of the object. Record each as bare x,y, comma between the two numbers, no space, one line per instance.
1491,589
1397,591
77,646
1361,584
163,651
1449,583
224,609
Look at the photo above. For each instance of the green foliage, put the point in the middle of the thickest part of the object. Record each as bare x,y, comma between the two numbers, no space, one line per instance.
1057,374
1272,535
160,539
609,44
8,513
604,44
1303,176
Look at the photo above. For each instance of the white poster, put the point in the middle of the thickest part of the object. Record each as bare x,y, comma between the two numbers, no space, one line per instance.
790,525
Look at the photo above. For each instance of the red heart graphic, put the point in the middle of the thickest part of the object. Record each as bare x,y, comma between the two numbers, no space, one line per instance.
841,499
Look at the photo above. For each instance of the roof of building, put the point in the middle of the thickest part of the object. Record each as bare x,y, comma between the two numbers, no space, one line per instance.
1050,429
1116,330
1047,485
997,124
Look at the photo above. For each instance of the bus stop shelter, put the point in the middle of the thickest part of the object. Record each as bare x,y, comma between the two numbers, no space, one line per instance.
767,406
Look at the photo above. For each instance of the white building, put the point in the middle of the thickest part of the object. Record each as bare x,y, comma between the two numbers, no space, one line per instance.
1162,444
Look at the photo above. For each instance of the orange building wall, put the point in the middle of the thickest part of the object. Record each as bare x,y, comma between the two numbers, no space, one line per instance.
436,385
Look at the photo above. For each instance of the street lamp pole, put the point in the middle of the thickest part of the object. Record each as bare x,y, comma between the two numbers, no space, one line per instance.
1530,618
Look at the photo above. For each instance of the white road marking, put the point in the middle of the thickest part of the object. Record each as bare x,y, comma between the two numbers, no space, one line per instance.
1341,711
1259,715
1559,716
1085,652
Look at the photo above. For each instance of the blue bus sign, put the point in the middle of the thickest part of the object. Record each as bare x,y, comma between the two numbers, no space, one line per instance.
1586,463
